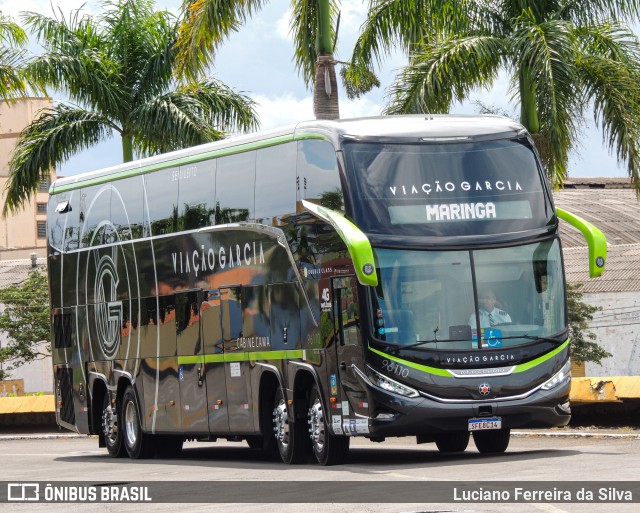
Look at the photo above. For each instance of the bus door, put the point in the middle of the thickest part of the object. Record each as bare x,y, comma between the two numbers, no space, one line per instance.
348,344
235,344
215,381
191,371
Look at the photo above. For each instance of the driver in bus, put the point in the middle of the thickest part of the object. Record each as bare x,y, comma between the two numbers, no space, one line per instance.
490,314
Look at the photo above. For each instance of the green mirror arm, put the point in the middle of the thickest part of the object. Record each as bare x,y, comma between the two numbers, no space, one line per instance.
596,241
357,242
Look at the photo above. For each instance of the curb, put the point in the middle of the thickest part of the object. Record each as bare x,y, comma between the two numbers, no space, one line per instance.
41,436
575,434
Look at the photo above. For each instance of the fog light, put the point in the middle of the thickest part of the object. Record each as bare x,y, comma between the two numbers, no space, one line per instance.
565,407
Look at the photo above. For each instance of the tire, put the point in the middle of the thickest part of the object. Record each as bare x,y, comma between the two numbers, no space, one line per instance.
290,437
492,442
456,441
168,446
111,432
266,440
137,443
329,449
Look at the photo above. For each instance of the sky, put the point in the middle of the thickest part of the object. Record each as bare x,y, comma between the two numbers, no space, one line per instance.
258,61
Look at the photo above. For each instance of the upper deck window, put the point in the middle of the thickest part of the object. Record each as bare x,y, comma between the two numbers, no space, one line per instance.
433,189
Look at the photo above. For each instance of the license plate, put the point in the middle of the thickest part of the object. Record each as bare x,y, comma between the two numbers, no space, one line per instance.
485,424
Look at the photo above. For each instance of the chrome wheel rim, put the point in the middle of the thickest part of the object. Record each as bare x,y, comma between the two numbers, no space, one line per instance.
281,423
316,425
109,425
131,423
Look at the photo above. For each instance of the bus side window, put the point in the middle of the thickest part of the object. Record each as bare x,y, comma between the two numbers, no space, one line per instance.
95,207
275,183
127,214
161,202
235,183
196,195
317,177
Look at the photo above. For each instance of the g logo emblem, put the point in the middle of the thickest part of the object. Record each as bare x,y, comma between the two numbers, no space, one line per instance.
108,308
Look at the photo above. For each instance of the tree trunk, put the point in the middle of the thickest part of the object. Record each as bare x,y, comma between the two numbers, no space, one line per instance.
325,89
528,106
127,148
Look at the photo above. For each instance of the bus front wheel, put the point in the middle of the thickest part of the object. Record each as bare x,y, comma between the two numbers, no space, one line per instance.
137,443
455,441
111,429
488,442
328,448
290,437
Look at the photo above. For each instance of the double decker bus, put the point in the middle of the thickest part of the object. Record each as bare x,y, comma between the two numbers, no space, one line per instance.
382,277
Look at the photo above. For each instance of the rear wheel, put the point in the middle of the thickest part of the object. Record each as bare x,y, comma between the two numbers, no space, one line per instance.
137,443
291,439
494,441
329,449
455,441
111,429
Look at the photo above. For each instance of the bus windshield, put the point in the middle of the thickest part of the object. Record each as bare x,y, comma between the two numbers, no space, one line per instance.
426,299
445,189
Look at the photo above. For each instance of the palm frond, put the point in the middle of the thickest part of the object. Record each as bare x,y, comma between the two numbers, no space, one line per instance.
47,142
86,76
614,90
592,11
59,33
439,74
191,115
206,24
547,53
11,33
12,83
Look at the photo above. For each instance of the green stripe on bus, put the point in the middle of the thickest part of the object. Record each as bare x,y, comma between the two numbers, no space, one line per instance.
529,365
143,170
241,357
417,366
444,372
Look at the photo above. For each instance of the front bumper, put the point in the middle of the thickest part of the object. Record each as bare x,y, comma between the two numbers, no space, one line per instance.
395,415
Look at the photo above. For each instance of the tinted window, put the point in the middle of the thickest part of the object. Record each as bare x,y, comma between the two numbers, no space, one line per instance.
127,212
196,207
318,179
57,222
235,181
275,183
161,202
447,189
95,215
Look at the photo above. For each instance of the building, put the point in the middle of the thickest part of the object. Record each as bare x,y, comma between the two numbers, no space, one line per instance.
25,232
612,205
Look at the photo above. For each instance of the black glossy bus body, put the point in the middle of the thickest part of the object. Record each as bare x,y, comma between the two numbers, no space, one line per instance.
200,279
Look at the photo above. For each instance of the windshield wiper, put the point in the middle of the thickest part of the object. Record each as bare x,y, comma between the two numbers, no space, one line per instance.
528,337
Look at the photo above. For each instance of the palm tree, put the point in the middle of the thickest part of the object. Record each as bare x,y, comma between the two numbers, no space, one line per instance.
117,70
313,25
564,57
11,81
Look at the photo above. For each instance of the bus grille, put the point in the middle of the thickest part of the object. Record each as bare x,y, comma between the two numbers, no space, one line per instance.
64,380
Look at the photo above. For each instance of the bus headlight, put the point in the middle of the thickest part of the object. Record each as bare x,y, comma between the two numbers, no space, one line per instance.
562,376
386,383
